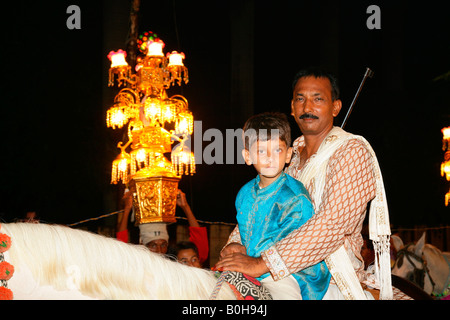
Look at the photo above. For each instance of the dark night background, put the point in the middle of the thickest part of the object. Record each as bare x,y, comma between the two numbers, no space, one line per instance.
56,150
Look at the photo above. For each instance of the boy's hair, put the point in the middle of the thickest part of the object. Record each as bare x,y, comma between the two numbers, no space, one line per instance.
265,125
317,72
182,245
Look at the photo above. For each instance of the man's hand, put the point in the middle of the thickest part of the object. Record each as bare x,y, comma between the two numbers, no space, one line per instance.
181,200
231,248
240,262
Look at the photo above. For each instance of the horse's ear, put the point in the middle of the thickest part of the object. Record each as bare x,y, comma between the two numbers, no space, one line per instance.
397,242
419,245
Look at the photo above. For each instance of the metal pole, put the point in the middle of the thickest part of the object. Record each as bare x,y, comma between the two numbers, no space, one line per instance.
368,74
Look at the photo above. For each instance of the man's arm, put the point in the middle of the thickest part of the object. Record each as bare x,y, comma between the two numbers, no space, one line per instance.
122,224
197,234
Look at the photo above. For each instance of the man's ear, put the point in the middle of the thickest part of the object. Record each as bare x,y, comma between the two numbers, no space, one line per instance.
246,156
337,105
289,154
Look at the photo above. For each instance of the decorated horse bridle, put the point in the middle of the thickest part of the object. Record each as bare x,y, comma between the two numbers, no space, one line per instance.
418,274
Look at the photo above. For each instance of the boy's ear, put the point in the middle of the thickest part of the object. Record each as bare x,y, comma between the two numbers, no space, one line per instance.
289,155
246,156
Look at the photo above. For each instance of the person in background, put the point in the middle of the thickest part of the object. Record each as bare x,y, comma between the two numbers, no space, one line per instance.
30,217
197,235
186,252
154,235
122,233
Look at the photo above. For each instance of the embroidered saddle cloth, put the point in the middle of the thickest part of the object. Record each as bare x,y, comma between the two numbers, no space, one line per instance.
243,286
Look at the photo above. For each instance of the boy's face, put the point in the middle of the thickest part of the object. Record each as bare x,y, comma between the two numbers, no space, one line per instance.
189,257
268,157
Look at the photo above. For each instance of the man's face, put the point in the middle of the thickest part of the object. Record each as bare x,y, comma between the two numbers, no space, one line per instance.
158,246
312,105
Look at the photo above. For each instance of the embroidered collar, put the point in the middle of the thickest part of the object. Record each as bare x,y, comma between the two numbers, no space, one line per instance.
260,192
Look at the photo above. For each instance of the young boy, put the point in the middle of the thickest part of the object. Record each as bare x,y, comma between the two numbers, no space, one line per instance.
274,204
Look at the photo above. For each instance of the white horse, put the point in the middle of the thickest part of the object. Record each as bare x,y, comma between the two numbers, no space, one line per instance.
423,264
58,262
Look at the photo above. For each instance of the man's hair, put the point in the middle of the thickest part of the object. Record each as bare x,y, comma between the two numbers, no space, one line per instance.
266,126
317,72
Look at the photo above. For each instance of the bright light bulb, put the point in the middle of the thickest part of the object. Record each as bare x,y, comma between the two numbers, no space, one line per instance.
175,59
123,165
118,58
141,155
183,125
118,116
168,114
155,48
151,110
446,133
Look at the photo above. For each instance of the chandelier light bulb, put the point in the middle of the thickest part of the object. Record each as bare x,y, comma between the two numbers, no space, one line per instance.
185,124
152,109
175,58
123,166
446,132
183,160
120,167
155,48
116,116
446,138
445,169
182,125
118,58
168,114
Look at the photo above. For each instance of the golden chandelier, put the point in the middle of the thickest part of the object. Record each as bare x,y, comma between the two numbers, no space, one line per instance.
154,122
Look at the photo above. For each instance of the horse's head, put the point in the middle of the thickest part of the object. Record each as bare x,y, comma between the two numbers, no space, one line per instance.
411,265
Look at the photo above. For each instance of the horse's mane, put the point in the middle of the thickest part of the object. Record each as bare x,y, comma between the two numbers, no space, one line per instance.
103,267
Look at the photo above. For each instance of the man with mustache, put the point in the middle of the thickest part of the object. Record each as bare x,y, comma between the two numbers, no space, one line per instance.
341,173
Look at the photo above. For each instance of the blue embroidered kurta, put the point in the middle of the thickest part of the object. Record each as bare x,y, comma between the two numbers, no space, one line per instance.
267,215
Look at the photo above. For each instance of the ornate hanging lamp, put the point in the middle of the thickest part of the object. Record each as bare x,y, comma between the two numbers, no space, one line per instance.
155,121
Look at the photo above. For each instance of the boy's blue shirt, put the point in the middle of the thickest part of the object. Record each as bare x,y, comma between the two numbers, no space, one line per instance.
267,215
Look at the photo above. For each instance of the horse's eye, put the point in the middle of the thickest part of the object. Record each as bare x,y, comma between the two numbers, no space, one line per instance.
399,263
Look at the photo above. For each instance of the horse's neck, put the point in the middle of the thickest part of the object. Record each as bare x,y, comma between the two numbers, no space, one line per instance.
446,256
74,260
438,266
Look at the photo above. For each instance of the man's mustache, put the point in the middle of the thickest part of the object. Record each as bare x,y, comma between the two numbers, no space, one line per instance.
308,116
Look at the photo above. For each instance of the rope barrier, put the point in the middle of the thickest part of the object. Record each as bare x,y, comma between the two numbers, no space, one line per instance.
233,224
419,228
96,218
120,211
